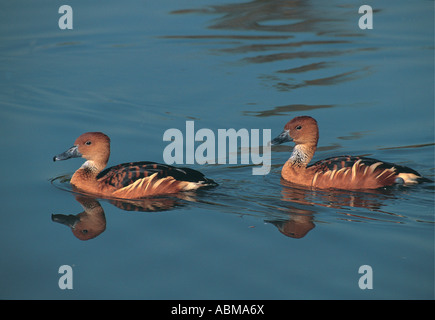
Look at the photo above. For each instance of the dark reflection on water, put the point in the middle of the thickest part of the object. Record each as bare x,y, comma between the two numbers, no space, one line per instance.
282,110
293,211
302,202
92,221
271,16
423,145
87,224
303,43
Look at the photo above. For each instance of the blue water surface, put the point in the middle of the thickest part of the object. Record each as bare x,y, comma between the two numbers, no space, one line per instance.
135,69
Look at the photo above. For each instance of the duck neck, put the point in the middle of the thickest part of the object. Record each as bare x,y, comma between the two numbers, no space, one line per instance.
93,167
87,172
302,155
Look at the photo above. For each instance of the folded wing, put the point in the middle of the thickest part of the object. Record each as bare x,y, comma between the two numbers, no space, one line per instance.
138,179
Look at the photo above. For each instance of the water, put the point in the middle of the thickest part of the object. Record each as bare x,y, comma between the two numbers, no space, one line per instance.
134,70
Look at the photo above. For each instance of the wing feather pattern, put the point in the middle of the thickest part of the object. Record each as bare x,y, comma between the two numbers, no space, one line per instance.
136,179
348,171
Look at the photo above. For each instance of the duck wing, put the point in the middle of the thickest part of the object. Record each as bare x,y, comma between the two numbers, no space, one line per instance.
385,173
340,162
127,173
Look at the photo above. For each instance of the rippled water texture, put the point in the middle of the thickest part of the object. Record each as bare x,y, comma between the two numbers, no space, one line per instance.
138,68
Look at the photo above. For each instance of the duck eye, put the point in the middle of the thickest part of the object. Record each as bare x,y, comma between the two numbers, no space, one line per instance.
88,143
298,127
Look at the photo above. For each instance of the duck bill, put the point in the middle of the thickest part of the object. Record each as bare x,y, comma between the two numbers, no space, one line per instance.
282,138
72,152
68,220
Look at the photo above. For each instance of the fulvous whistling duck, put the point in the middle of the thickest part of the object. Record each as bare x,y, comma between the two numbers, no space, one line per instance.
128,180
343,172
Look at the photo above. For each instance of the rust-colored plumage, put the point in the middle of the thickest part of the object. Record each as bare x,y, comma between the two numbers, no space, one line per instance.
344,172
128,180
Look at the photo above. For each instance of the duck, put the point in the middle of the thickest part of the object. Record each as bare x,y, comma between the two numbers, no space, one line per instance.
132,180
342,172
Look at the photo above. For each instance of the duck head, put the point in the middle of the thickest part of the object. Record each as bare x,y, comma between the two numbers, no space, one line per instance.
92,146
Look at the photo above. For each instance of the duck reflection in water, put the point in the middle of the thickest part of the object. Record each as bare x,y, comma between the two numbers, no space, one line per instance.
87,224
301,221
297,211
297,226
92,221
